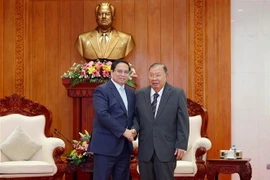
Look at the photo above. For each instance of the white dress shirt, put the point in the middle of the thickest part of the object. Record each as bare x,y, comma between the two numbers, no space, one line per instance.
122,93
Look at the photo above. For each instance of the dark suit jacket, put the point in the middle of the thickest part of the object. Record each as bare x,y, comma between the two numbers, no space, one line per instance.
119,45
168,131
111,119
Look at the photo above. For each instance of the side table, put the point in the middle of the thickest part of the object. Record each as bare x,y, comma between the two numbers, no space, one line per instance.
83,171
226,166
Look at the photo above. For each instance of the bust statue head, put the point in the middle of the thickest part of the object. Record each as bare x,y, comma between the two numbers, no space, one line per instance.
104,16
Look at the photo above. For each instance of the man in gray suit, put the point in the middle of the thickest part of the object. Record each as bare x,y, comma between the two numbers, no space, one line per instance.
162,124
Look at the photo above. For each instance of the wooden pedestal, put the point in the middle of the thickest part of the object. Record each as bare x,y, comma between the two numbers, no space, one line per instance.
83,111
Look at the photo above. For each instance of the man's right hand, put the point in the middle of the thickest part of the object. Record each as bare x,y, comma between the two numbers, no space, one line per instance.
130,134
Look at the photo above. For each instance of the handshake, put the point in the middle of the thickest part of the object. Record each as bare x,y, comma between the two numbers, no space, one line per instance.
130,134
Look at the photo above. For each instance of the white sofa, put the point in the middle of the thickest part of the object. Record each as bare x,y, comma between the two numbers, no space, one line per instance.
27,148
193,164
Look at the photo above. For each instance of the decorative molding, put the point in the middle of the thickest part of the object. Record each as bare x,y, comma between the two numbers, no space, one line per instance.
76,93
198,50
19,46
83,89
18,104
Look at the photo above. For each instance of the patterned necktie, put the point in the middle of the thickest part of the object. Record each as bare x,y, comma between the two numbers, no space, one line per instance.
154,103
124,96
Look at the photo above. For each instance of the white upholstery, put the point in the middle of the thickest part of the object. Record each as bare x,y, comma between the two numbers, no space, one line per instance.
42,162
19,146
187,166
31,167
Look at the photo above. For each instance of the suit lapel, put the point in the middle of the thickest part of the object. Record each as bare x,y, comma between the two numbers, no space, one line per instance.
129,95
164,98
94,43
112,43
148,101
117,96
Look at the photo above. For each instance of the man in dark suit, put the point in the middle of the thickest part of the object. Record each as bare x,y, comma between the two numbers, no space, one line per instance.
162,123
104,42
114,106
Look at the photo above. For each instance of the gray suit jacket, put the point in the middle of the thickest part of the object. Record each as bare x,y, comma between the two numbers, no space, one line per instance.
168,131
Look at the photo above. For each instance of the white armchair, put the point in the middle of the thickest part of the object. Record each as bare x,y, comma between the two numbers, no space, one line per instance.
27,148
193,164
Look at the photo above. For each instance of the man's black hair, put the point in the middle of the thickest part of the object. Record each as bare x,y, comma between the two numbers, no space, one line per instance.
114,64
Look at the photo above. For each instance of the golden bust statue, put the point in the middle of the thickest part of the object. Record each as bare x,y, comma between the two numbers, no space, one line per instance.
104,42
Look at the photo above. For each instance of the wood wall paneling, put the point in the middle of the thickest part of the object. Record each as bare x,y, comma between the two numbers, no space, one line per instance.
180,43
27,46
51,55
128,17
154,32
38,51
191,50
218,70
141,38
89,16
8,61
1,47
119,10
192,37
66,46
167,36
218,80
77,27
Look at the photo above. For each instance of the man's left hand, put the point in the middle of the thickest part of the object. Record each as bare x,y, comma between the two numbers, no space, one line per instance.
179,153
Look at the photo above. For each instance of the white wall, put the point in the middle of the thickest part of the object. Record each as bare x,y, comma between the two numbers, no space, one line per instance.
251,83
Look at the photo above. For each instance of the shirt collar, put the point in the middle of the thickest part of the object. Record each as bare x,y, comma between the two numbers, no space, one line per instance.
117,85
100,31
159,93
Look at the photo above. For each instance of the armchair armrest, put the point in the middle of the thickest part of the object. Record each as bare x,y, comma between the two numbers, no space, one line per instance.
52,148
202,142
198,149
196,154
201,146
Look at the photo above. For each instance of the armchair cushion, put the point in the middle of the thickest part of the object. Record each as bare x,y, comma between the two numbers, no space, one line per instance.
184,167
30,167
19,146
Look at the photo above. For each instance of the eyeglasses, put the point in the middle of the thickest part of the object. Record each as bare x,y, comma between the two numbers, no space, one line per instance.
153,76
120,71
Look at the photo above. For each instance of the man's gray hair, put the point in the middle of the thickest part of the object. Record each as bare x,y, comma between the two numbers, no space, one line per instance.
159,64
